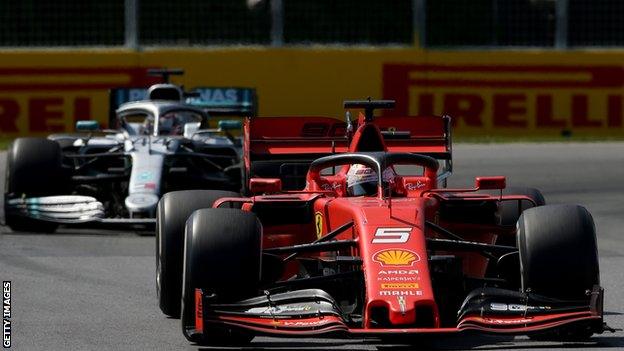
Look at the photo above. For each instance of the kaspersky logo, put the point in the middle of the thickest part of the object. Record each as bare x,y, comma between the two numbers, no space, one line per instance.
396,257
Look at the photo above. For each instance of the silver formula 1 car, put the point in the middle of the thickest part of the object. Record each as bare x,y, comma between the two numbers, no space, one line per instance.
116,176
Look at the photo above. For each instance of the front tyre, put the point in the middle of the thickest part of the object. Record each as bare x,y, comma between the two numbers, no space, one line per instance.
558,251
174,209
33,169
222,256
559,259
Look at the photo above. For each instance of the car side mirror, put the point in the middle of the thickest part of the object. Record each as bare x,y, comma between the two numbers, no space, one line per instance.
230,124
87,126
490,183
265,185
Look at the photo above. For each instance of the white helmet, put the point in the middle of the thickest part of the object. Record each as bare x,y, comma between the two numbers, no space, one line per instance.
362,180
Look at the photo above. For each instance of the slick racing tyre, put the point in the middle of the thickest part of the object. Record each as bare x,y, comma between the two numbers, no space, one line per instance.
33,169
174,209
509,211
558,252
507,214
222,256
559,259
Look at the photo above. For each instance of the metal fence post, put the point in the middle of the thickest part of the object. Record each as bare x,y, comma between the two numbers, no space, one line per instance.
419,18
277,22
561,24
131,32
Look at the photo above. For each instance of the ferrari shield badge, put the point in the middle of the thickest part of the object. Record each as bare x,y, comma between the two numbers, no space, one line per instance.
318,221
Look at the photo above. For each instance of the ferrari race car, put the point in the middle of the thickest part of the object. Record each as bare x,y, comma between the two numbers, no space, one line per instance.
116,176
370,245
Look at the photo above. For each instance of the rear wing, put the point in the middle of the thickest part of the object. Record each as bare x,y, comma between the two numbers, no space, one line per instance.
427,135
216,101
284,147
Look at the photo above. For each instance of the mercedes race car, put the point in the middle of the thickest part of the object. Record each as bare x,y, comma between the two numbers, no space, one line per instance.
116,176
366,242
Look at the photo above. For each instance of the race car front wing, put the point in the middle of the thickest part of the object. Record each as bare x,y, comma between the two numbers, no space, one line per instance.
312,312
68,209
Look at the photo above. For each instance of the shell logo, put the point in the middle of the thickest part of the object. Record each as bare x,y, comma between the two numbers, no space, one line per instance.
396,257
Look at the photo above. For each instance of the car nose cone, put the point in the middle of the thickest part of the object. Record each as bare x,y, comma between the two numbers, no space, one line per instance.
141,202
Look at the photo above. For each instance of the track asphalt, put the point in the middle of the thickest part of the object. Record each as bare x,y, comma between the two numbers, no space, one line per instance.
94,290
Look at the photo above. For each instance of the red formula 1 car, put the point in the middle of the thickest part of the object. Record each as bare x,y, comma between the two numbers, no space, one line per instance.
347,231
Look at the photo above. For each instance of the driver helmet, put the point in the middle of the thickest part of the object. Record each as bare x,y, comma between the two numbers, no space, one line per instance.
166,123
362,180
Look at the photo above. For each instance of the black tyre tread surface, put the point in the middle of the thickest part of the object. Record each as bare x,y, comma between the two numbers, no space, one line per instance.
558,251
174,209
33,166
33,169
222,254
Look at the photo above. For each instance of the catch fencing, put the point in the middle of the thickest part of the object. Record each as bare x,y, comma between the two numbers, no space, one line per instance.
489,24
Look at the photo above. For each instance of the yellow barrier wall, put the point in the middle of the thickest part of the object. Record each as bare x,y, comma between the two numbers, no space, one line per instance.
487,92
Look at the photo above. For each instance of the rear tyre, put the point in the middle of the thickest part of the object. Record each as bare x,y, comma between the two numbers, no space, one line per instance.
33,169
173,210
558,252
507,214
509,211
222,256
